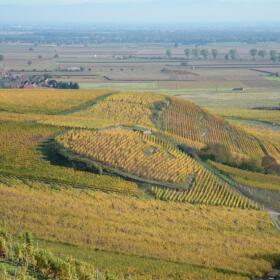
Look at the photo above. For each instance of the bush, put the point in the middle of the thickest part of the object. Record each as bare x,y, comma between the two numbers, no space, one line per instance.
3,248
22,274
219,153
46,265
3,273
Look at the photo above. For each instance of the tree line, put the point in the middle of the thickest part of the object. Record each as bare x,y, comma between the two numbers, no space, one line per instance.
232,54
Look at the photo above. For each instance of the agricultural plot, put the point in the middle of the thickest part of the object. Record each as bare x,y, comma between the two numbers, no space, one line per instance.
26,154
132,152
202,242
248,178
144,156
125,109
269,116
45,101
201,232
188,121
165,203
270,139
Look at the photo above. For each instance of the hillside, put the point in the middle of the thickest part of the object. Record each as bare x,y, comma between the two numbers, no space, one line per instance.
142,185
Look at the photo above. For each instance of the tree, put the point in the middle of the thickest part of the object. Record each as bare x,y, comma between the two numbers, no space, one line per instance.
1,57
273,55
169,53
262,53
187,53
233,54
253,53
214,53
196,52
204,53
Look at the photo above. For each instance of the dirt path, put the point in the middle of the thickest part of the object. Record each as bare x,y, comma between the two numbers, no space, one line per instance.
86,105
275,217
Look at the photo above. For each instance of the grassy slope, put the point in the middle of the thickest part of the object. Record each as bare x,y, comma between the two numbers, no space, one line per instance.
248,236
271,117
201,237
248,178
44,101
23,153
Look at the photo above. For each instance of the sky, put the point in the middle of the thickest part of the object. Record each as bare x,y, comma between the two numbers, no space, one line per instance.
138,11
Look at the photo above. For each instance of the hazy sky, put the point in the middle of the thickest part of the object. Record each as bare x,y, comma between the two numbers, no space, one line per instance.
138,11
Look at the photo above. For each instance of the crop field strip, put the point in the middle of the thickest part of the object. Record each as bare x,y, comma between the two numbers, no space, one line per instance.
208,192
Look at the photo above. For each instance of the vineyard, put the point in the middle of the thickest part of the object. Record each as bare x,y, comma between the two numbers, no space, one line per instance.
125,109
148,157
137,155
124,178
133,152
44,101
269,139
209,193
22,149
189,122
177,233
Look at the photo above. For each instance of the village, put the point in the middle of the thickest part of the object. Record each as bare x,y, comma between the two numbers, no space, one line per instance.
11,79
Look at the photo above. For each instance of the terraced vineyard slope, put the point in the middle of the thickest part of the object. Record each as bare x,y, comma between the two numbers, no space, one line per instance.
143,156
132,152
194,126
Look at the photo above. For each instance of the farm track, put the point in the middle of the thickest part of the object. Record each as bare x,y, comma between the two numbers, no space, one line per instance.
86,105
275,217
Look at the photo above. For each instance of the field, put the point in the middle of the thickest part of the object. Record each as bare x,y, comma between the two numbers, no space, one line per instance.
134,154
45,102
145,66
162,231
22,155
156,169
257,180
187,121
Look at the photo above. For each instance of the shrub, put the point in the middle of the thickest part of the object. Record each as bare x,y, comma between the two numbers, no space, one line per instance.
3,248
